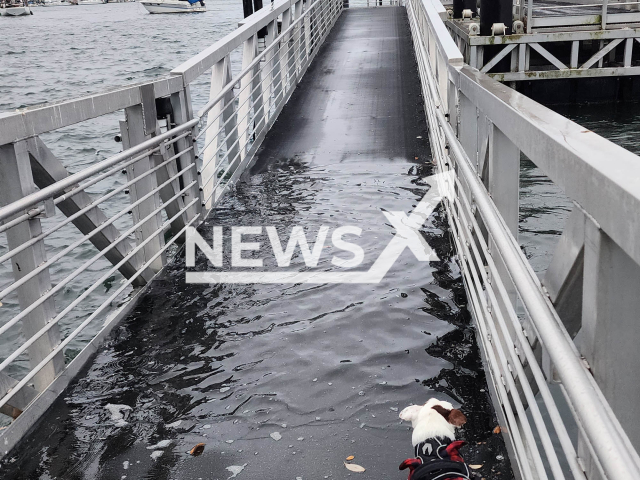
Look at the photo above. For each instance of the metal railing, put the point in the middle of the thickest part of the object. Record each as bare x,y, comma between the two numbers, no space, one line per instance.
601,37
600,13
74,254
541,382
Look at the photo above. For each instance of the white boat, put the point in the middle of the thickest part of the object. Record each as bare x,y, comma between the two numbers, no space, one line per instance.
173,6
87,2
14,8
54,3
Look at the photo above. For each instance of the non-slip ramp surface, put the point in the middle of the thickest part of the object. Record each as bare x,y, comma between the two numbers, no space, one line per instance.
285,381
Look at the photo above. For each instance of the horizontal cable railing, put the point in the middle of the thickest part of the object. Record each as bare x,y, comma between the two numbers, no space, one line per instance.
75,249
539,380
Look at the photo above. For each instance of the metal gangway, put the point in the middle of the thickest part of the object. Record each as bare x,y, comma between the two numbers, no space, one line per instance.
559,351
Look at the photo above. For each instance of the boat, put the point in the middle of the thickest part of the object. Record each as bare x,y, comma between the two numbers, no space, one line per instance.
54,3
87,2
174,6
14,8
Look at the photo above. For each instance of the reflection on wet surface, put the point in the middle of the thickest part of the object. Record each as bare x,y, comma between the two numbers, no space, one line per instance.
285,381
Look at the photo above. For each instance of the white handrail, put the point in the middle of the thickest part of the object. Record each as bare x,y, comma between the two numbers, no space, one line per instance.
526,125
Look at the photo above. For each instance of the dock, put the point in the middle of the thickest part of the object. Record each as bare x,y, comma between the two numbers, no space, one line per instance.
387,119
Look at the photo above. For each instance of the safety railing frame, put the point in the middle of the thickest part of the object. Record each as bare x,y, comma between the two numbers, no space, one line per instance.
474,122
166,175
601,39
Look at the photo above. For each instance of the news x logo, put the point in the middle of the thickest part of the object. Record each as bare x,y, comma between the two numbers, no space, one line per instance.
407,235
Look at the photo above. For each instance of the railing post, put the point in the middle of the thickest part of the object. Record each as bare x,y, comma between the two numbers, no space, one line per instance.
140,126
503,182
163,174
285,52
16,182
317,21
468,128
610,335
222,113
249,90
182,113
279,75
628,52
297,39
271,69
307,31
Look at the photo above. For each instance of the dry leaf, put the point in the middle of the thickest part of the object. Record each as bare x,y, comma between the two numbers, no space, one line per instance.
197,450
475,467
497,429
350,457
353,467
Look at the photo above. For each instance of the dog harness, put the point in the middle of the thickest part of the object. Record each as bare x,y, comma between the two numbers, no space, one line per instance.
437,459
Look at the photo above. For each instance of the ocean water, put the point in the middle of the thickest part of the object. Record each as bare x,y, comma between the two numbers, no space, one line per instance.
237,364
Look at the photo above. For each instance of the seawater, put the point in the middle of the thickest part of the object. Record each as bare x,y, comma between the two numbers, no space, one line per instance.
204,367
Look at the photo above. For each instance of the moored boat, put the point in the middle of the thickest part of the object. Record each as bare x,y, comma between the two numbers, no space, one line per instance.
14,8
54,3
174,6
87,2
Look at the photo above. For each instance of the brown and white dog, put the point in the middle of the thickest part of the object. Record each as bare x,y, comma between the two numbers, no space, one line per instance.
434,442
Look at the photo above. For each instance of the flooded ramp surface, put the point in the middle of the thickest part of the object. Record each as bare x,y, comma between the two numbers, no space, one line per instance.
285,381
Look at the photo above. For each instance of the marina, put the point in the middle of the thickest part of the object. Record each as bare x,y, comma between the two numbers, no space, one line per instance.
120,353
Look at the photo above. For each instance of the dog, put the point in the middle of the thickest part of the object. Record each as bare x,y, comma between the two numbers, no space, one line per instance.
434,442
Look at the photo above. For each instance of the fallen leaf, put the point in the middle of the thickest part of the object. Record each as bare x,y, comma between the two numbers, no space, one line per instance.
497,429
350,457
353,467
475,467
197,450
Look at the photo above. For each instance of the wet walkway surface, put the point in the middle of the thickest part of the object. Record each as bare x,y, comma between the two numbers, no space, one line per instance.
285,381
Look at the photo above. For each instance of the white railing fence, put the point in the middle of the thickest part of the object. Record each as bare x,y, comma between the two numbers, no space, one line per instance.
598,13
555,40
542,383
77,249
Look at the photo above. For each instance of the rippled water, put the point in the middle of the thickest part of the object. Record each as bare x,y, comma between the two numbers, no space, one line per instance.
328,366
64,52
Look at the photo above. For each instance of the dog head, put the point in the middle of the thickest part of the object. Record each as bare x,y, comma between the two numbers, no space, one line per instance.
435,418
